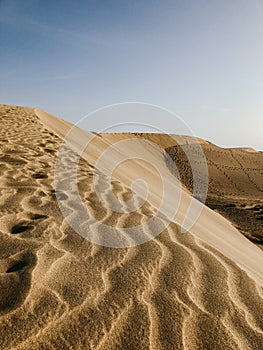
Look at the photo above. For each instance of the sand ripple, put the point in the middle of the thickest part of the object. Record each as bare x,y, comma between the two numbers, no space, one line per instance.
60,291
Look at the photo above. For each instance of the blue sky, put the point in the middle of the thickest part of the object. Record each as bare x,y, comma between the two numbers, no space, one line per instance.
201,59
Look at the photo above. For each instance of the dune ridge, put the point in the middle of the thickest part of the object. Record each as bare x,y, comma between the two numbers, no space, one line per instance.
60,291
209,226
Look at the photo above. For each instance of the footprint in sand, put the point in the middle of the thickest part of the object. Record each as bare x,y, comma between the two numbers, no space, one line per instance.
17,266
38,216
15,279
51,151
59,195
21,227
40,175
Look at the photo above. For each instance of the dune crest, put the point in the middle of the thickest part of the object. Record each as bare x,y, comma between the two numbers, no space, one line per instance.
198,290
208,225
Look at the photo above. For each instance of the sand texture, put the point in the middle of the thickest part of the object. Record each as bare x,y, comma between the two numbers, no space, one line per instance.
235,180
58,290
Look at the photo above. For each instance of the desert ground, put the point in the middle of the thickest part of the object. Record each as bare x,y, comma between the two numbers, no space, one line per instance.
66,283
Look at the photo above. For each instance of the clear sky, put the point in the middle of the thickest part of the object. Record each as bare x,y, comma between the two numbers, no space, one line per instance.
202,59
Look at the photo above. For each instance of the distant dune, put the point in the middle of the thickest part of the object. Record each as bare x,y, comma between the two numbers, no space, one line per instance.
62,289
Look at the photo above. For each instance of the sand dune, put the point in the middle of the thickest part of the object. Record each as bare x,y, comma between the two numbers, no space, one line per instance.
235,179
195,290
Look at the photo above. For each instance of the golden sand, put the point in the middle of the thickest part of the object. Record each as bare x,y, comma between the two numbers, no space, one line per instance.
58,290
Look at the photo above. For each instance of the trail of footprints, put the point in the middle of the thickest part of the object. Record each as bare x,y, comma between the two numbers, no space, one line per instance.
62,292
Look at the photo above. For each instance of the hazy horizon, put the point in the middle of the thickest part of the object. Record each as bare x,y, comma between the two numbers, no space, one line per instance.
201,60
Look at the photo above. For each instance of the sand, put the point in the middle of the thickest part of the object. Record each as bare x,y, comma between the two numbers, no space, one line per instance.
196,290
235,180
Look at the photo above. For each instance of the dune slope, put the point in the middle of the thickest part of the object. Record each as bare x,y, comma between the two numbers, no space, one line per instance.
235,179
197,290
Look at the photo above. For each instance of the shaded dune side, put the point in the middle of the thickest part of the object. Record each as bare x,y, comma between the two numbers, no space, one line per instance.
235,185
163,294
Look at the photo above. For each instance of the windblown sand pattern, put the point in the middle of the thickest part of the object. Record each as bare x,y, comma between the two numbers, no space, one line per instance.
60,291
